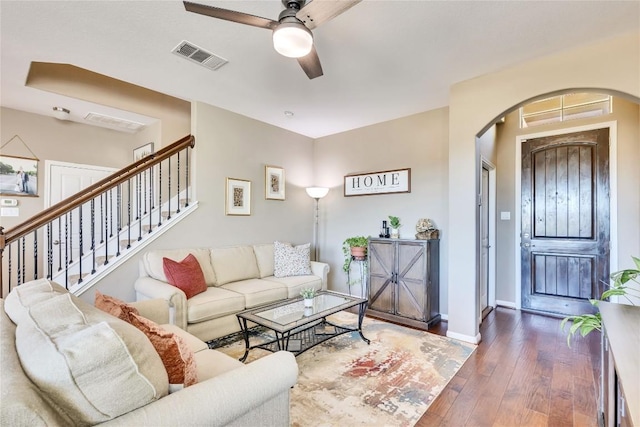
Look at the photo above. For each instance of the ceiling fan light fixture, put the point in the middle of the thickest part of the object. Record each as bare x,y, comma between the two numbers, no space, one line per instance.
292,39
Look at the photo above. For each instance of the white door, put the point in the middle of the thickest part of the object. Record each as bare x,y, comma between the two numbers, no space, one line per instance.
63,180
484,242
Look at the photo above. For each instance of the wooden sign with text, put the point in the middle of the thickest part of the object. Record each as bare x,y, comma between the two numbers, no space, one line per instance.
385,182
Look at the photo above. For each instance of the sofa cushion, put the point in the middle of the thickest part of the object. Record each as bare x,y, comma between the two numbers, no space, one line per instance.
154,265
234,263
212,363
185,275
176,355
264,257
295,284
114,306
24,296
258,291
95,370
291,260
215,302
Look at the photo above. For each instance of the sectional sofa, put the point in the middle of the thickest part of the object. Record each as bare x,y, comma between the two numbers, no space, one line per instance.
66,363
237,278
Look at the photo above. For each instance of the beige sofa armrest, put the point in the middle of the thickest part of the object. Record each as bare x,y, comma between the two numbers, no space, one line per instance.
149,288
156,309
225,398
320,269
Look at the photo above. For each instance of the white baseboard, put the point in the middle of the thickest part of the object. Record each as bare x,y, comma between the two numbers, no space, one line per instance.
444,316
465,338
507,304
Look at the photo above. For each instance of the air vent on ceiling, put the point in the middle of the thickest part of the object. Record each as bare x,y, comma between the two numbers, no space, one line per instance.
113,122
198,55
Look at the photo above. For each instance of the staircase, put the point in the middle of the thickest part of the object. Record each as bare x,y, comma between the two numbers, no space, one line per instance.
81,239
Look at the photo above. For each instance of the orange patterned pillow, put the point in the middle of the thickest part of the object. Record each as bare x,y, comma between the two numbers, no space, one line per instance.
114,306
186,275
176,355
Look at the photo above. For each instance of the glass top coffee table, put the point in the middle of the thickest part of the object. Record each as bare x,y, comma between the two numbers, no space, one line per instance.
298,328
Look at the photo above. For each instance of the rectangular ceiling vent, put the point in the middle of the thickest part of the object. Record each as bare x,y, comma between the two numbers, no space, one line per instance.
198,55
113,122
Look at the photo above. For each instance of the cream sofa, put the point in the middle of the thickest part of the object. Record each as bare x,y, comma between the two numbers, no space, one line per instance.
66,363
238,277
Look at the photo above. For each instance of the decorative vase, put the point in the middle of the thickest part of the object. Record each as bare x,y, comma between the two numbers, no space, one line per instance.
308,311
308,302
358,252
395,233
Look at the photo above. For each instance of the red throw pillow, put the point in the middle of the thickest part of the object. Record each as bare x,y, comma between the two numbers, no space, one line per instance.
176,355
186,275
114,306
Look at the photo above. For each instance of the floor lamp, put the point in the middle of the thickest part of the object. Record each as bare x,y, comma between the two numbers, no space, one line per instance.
316,193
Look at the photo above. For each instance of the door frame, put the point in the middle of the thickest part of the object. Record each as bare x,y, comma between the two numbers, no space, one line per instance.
491,261
613,194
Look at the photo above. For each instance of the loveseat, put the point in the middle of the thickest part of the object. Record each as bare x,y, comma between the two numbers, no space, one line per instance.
67,363
237,278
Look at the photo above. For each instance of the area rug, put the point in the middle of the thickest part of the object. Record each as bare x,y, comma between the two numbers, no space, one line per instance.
345,382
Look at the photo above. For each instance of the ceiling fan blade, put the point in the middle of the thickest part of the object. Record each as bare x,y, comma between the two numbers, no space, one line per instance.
311,64
317,12
230,15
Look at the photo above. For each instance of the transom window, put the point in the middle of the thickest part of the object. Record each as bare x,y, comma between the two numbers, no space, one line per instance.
564,107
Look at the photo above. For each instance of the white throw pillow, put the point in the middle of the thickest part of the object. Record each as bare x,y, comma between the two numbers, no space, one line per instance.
291,260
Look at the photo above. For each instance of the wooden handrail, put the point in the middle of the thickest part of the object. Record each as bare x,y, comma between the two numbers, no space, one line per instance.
112,181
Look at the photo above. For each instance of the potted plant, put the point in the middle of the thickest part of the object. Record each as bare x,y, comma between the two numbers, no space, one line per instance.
587,323
307,295
394,222
354,247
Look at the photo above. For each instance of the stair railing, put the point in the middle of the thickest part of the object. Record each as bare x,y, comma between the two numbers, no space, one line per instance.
80,230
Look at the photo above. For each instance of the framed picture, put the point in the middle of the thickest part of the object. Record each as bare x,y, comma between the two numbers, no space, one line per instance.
384,182
238,197
274,183
18,176
142,151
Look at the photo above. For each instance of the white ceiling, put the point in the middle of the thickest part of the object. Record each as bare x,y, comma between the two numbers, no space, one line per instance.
381,59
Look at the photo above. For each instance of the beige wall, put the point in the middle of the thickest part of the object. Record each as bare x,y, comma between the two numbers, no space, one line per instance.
625,114
52,139
231,145
613,64
418,142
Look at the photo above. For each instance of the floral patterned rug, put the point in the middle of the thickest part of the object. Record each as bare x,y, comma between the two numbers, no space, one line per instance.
345,382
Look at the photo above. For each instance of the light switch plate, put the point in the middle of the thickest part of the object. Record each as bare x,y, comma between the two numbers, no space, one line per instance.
505,216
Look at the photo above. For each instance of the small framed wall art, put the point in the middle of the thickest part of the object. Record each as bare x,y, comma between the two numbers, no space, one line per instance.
142,151
238,197
274,183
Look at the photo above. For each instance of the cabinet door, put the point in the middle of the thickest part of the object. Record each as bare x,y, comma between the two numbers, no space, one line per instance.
411,276
381,268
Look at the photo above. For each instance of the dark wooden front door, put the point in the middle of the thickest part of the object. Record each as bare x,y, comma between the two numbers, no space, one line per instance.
565,221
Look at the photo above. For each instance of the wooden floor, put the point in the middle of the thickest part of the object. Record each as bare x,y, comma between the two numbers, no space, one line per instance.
522,374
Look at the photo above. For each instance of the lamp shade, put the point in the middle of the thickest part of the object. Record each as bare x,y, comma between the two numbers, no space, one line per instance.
317,192
292,39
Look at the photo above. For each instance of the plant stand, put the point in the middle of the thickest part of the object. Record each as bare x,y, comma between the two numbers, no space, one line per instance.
361,263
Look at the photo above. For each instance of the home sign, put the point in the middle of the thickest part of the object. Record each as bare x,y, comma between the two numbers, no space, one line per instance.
384,182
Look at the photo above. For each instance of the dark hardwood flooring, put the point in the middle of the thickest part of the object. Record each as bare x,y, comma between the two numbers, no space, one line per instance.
522,374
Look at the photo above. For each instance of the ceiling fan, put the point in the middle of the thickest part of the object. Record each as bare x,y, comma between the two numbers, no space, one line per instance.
292,31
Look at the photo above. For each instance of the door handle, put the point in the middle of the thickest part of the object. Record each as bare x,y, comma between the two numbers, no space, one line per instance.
526,245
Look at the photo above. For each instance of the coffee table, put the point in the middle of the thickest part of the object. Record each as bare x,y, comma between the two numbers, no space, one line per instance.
298,328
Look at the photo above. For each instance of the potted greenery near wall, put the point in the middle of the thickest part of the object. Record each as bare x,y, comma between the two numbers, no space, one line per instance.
622,286
394,222
355,249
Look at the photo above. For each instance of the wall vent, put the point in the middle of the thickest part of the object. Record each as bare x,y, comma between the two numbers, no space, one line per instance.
113,122
198,55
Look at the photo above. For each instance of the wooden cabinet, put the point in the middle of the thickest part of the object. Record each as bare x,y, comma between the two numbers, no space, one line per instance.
404,281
